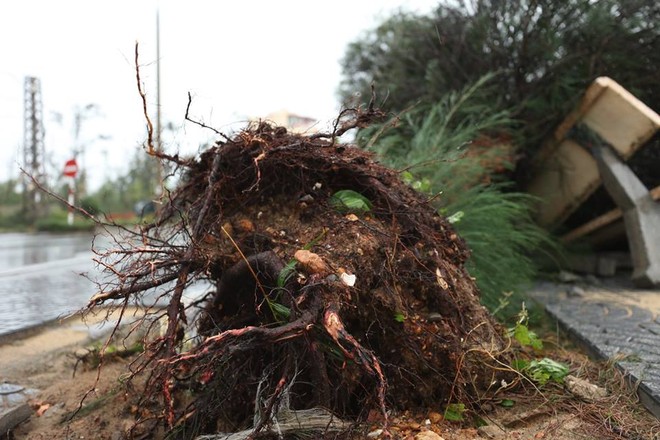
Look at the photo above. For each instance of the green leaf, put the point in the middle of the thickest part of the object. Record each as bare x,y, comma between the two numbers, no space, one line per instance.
348,200
526,337
454,412
286,273
538,376
280,311
407,177
547,369
423,185
507,403
519,364
542,371
399,317
455,217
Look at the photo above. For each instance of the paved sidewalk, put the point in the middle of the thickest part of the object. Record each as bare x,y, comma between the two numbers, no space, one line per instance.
612,320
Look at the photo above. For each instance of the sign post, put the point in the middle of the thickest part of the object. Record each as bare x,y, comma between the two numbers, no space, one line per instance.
70,172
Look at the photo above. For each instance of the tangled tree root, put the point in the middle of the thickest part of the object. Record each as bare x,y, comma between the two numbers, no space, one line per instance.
410,330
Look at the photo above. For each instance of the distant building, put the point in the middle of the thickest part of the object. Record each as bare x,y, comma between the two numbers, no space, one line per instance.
292,122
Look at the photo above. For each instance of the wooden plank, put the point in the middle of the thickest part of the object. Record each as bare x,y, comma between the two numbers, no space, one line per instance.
564,176
601,221
597,223
620,119
567,178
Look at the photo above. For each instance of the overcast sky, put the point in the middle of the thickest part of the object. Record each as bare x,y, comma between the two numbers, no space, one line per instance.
238,59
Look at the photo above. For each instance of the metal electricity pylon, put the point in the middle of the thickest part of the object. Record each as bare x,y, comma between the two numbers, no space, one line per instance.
34,153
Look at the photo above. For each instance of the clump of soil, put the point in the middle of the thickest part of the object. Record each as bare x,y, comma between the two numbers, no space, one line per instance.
316,303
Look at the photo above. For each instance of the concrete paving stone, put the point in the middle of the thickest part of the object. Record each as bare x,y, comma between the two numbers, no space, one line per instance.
647,344
636,368
653,381
613,320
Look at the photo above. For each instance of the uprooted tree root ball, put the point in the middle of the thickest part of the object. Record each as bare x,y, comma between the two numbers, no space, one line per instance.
314,303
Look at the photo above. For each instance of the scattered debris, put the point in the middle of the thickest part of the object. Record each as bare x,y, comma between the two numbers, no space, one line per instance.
584,389
348,279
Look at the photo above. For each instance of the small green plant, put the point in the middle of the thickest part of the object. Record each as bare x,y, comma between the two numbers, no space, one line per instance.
542,371
526,337
349,201
399,317
539,371
455,217
286,273
281,312
507,403
422,185
454,412
502,302
521,332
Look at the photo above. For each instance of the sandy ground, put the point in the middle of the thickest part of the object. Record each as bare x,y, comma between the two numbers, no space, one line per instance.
46,360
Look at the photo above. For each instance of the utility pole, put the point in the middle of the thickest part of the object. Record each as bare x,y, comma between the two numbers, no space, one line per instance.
159,166
158,122
34,153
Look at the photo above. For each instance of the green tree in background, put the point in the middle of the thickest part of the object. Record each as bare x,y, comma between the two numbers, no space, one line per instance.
9,196
548,51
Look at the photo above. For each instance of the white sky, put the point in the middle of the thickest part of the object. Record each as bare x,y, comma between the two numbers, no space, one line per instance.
239,59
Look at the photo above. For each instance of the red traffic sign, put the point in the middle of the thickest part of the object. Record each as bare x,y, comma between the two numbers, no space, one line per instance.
71,168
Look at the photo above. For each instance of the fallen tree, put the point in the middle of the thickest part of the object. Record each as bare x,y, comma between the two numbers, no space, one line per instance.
335,285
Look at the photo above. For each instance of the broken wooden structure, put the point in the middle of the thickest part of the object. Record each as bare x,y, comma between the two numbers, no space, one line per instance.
590,147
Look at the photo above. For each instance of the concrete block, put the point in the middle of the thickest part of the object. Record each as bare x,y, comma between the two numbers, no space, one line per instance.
641,215
12,417
14,408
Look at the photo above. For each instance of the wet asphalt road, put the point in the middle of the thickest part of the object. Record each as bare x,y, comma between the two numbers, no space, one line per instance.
40,277
48,276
